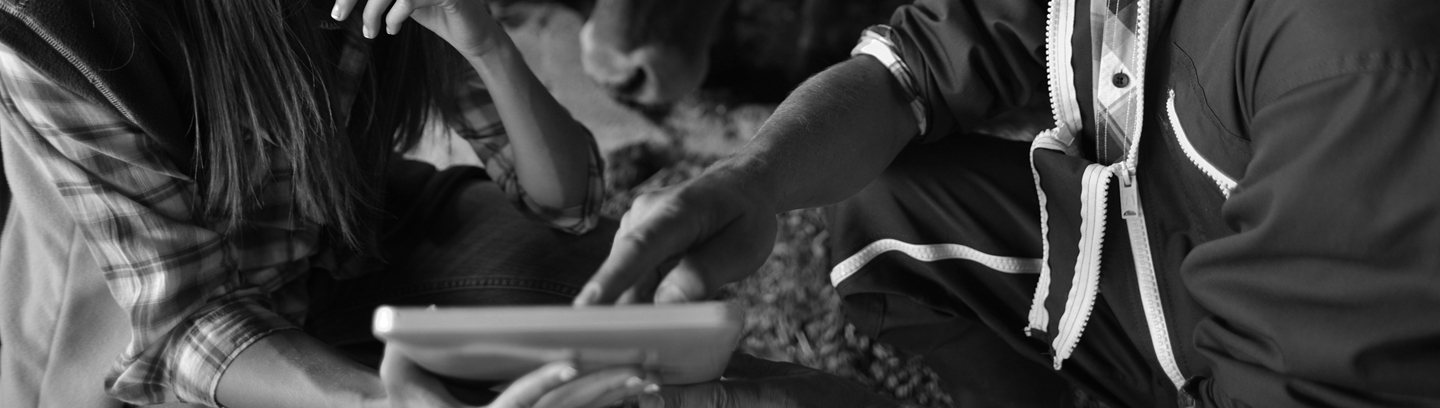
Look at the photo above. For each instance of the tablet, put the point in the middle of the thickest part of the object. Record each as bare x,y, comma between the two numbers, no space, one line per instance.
683,344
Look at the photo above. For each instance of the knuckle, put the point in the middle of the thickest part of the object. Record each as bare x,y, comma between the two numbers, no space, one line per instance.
647,200
644,231
637,237
666,197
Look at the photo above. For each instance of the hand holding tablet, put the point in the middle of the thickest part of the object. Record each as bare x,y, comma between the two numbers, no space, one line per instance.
682,344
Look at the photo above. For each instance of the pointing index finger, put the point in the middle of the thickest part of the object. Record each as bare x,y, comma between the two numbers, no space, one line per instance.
648,238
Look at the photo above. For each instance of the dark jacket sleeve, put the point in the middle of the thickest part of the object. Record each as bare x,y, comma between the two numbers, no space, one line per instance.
1329,292
973,60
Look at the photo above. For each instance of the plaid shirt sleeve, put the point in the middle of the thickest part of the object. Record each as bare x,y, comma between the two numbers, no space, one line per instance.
481,127
195,299
875,42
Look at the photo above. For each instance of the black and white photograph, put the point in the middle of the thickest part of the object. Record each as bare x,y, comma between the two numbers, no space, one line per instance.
720,203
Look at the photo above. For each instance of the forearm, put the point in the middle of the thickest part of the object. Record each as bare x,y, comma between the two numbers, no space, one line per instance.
829,139
291,369
550,147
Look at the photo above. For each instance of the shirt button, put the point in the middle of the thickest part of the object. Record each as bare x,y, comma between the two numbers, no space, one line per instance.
1120,80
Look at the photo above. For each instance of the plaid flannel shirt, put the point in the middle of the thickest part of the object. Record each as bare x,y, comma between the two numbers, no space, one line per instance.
195,298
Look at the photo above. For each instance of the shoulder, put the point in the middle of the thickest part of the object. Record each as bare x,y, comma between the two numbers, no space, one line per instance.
1287,44
24,84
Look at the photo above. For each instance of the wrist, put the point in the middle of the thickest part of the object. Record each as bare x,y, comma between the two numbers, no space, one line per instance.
492,41
487,49
491,56
289,368
750,179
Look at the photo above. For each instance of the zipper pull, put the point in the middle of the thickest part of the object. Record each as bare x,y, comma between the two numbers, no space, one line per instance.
1129,197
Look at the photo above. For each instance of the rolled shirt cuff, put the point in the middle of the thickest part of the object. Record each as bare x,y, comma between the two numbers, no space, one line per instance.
875,42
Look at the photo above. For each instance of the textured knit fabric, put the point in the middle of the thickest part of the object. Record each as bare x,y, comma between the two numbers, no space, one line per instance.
194,298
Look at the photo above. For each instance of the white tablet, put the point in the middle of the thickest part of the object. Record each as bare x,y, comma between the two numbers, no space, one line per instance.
682,343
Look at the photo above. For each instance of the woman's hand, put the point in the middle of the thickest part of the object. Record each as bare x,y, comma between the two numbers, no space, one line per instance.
757,383
556,385
465,24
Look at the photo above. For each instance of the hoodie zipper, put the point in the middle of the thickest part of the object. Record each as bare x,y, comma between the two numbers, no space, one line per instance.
1059,29
1134,214
1060,75
1058,53
1085,285
70,57
1225,183
1149,286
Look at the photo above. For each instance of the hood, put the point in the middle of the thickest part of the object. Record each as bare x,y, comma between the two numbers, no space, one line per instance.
104,51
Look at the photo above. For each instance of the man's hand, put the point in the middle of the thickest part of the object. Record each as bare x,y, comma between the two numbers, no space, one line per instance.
683,243
556,385
832,137
756,383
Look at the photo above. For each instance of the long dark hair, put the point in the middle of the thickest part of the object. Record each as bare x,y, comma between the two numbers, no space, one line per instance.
261,76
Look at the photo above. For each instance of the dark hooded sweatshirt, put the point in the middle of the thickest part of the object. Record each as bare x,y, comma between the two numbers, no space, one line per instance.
1283,248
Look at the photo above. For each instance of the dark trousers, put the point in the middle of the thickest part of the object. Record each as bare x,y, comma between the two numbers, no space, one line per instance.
963,315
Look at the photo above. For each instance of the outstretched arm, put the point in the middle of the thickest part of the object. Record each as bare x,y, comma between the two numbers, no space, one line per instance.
831,137
826,141
968,63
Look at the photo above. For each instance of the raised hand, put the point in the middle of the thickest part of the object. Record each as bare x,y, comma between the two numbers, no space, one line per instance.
465,24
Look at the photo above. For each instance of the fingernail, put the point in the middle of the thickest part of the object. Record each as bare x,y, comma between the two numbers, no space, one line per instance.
335,12
633,382
567,373
652,388
368,32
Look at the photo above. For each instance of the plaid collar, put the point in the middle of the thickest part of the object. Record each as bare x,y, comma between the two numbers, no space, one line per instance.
1117,62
